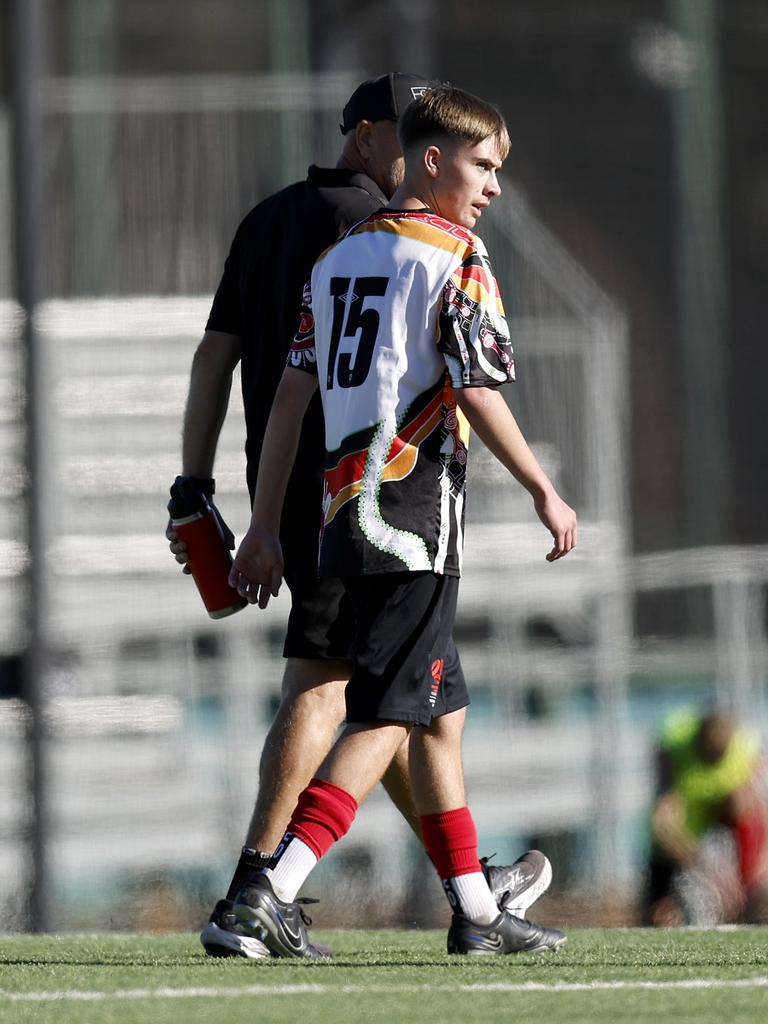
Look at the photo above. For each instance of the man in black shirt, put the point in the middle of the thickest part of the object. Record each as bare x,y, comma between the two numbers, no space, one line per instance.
253,321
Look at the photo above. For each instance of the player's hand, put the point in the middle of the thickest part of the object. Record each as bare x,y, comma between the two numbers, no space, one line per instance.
257,571
178,548
560,519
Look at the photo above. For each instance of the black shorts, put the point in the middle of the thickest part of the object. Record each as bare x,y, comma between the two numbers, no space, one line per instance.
405,666
321,623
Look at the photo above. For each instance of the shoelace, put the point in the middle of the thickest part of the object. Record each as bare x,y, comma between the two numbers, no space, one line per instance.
305,917
505,897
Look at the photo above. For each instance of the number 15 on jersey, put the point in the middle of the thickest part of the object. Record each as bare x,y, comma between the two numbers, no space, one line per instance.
349,318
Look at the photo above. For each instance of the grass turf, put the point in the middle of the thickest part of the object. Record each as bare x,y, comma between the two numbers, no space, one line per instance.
632,975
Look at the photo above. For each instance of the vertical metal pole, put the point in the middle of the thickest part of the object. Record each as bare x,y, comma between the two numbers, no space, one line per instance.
737,624
289,42
606,406
27,63
92,31
699,150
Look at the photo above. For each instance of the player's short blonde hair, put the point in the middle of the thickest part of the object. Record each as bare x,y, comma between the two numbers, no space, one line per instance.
445,111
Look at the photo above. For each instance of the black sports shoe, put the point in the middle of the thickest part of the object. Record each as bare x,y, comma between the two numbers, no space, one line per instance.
507,934
280,926
223,936
516,887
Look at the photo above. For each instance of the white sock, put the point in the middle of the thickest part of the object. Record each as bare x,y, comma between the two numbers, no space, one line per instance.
289,874
473,897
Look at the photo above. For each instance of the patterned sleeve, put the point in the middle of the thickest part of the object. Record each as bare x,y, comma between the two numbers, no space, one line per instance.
301,354
473,333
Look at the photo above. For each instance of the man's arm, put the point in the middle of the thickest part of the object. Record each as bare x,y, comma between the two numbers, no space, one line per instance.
492,420
210,385
258,568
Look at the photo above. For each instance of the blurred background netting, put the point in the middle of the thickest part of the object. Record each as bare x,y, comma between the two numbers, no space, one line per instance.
630,247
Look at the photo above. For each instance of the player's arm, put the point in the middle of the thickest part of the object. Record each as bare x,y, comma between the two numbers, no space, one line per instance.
210,385
670,830
492,420
258,567
668,815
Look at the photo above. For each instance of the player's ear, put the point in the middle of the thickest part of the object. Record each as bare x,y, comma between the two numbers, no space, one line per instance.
432,157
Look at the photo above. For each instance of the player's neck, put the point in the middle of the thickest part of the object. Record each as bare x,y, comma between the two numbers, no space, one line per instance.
406,197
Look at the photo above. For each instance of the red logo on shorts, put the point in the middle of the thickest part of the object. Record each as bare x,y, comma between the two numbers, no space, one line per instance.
437,677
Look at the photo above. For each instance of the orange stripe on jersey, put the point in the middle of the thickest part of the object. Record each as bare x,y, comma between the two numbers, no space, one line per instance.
405,448
435,234
477,290
475,272
465,430
344,481
346,470
401,465
345,494
427,217
408,432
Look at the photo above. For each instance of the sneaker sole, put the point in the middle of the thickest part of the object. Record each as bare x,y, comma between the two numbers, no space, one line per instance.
525,899
219,942
545,947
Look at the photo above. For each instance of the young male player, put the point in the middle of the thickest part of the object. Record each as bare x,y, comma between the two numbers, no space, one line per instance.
404,332
252,321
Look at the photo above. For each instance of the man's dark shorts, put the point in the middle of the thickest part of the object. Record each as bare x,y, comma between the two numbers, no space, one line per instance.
405,666
321,623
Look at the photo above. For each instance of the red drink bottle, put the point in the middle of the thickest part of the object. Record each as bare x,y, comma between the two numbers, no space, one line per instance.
208,556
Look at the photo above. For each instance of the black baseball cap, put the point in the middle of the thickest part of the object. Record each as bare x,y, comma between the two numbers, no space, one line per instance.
382,99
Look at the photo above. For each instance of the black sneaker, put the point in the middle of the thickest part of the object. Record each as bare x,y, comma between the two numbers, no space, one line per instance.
282,927
507,934
223,936
516,887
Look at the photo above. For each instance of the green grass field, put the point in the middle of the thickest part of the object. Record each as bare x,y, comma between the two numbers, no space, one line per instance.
632,975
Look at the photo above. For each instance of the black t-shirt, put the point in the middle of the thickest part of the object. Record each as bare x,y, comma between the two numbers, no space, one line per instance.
259,299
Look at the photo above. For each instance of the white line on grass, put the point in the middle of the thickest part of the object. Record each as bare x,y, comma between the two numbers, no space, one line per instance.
234,992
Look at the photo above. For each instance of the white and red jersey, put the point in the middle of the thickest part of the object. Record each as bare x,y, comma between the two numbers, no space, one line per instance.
398,313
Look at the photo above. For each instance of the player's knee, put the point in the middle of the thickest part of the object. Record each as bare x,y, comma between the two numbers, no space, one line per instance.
311,686
447,728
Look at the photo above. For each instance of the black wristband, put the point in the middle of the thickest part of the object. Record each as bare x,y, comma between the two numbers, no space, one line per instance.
199,483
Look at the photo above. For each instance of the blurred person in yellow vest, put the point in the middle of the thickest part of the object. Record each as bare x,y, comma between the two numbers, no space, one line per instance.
709,825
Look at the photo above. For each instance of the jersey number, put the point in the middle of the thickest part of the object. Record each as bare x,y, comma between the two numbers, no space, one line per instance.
348,298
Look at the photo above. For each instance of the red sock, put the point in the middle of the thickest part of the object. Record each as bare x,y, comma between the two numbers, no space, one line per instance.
323,814
451,841
750,841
